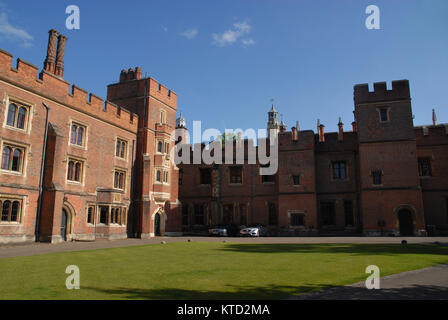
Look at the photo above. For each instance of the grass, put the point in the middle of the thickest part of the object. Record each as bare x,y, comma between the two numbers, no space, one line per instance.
207,270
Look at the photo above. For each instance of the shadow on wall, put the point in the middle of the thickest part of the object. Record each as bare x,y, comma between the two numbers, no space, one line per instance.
355,249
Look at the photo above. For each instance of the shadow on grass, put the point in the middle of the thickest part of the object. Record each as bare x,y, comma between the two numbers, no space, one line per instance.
414,292
355,249
239,293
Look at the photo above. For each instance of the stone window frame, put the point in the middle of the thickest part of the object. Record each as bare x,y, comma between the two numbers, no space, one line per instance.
372,174
76,159
123,171
124,141
28,117
20,213
117,220
24,157
230,175
94,207
85,138
419,159
387,113
347,165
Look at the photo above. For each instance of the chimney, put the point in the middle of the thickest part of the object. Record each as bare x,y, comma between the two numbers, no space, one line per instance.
434,118
138,73
294,134
297,125
49,63
341,130
123,75
354,126
131,74
320,128
59,70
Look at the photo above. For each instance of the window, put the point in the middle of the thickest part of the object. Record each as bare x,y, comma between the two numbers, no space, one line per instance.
10,210
90,214
104,213
167,147
424,167
272,214
115,216
121,148
12,158
78,134
376,176
384,117
75,170
297,220
119,179
159,146
327,213
162,116
158,176
165,176
339,170
17,116
205,176
227,214
267,178
348,212
185,214
296,180
199,214
236,174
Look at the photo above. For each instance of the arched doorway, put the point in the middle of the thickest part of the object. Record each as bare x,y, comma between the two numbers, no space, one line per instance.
64,225
406,222
157,225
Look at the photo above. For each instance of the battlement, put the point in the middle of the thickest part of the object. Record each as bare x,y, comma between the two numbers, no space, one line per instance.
400,91
52,87
431,134
162,93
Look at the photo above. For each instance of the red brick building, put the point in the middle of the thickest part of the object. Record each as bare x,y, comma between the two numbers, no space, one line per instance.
386,177
75,167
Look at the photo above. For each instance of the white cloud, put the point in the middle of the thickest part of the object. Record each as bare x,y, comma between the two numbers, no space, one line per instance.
247,42
190,33
11,32
231,36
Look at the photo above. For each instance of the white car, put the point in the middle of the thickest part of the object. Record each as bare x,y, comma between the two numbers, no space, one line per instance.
254,231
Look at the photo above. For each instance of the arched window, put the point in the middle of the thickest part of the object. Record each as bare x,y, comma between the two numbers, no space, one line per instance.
158,176
80,135
77,171
21,117
73,135
70,170
5,210
159,146
15,211
11,114
17,155
6,158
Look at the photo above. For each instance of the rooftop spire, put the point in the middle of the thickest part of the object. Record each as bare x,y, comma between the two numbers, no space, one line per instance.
434,117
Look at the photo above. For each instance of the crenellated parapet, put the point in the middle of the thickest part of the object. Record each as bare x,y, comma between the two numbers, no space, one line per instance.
400,91
53,87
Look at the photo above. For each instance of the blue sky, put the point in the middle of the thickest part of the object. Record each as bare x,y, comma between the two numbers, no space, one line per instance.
227,59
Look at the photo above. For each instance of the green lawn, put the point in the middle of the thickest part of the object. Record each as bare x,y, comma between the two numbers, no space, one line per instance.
207,270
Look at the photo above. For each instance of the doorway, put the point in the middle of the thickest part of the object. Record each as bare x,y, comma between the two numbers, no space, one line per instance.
157,225
64,225
406,223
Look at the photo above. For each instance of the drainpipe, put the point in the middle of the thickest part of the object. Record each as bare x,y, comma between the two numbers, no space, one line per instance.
41,179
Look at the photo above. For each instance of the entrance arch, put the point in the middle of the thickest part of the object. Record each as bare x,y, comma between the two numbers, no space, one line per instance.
157,225
64,218
406,222
67,216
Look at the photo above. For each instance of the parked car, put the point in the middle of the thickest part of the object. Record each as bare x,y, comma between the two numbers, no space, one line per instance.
256,230
220,231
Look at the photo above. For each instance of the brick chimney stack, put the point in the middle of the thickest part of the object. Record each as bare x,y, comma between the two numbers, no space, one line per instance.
59,70
138,73
297,125
294,134
341,130
131,74
49,63
320,129
354,126
123,75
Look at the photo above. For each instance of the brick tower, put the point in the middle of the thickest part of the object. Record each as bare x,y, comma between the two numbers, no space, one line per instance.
391,198
155,189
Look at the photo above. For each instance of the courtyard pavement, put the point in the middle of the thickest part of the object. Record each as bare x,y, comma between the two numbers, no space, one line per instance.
423,284
16,250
